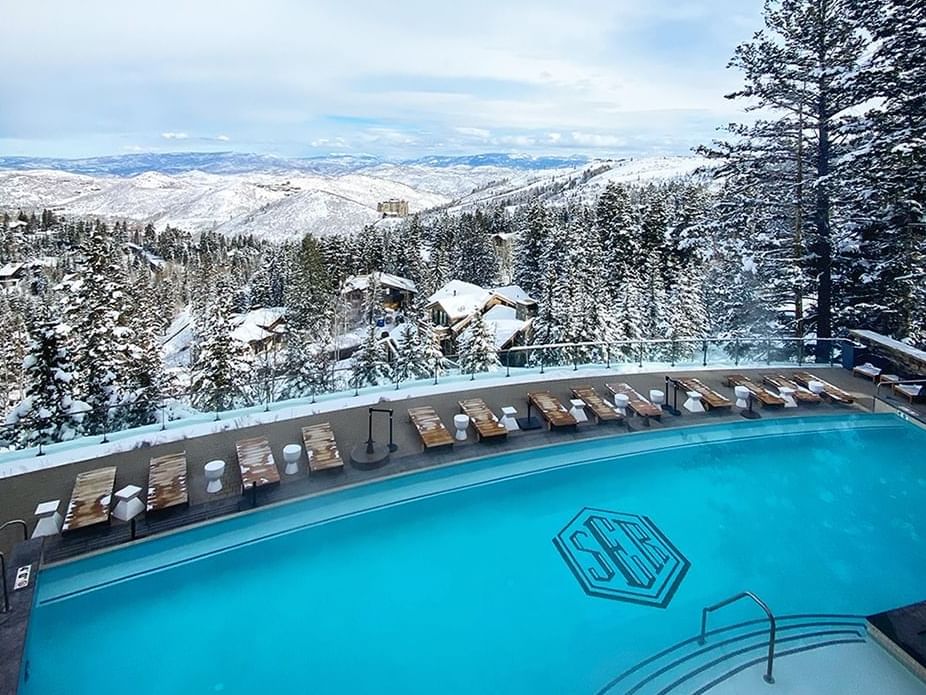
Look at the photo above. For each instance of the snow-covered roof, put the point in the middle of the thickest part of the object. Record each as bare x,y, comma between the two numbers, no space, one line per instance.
503,320
257,324
460,299
362,282
17,223
9,270
515,294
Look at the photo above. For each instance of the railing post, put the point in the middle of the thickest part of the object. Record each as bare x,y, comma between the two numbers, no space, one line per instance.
508,363
768,351
704,352
575,358
672,355
607,353
736,351
541,360
640,355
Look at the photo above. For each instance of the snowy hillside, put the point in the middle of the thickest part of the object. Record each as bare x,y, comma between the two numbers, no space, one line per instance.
287,204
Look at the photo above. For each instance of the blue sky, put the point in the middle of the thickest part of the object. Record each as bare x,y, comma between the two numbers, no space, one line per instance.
407,78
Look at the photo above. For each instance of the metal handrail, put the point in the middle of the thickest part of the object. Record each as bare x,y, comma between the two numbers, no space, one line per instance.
902,382
771,620
19,522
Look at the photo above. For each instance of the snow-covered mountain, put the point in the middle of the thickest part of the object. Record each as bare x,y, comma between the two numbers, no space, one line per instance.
278,202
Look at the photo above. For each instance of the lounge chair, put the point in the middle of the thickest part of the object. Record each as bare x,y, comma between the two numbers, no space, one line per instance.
482,419
712,398
910,391
430,428
321,447
637,403
551,409
167,482
801,394
867,370
764,396
834,393
255,460
600,408
91,499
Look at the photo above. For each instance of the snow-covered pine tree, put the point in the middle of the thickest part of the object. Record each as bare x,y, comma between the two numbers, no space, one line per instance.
309,367
533,231
269,282
800,71
413,355
220,371
882,287
474,259
478,352
144,371
369,362
308,290
49,412
619,233
98,318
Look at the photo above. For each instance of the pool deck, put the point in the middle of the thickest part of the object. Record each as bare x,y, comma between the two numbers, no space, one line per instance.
20,494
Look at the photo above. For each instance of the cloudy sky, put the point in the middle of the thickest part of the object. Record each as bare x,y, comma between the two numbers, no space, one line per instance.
406,78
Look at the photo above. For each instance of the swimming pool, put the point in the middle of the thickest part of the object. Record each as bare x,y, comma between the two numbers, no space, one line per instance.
550,570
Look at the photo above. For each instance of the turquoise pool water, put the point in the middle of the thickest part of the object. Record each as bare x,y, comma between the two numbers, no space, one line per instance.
451,581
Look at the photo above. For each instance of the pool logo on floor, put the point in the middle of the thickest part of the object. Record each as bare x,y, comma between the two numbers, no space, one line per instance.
621,556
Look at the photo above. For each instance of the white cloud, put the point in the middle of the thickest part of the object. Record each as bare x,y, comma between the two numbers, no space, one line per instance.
174,136
480,133
222,138
597,139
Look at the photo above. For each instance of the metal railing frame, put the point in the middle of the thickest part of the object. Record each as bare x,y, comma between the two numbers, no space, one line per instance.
773,627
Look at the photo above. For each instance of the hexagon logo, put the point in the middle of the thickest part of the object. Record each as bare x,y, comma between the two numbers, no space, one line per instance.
621,556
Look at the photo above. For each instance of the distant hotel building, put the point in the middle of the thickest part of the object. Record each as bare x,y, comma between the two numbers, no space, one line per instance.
393,208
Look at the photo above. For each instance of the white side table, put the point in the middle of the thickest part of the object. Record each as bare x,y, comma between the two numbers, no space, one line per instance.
128,506
787,395
50,521
657,398
816,387
742,397
461,422
693,404
578,410
291,454
508,418
620,403
214,470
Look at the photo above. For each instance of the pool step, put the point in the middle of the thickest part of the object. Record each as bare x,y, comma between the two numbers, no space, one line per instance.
692,668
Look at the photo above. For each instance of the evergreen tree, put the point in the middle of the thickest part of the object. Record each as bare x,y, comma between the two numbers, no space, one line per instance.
369,362
478,352
219,370
474,258
144,371
49,412
413,355
531,241
309,366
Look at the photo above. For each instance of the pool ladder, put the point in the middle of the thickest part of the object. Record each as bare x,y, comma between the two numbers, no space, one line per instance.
771,626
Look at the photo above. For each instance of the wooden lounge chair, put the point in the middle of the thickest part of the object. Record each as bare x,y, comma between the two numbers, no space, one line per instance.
551,409
601,409
430,428
867,371
321,447
834,393
636,402
167,486
801,394
91,499
764,396
713,399
255,460
482,419
910,391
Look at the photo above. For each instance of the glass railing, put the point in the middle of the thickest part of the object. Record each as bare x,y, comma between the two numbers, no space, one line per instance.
178,408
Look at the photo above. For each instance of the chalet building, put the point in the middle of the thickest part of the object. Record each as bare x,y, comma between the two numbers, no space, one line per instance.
393,208
396,295
260,329
12,278
509,311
